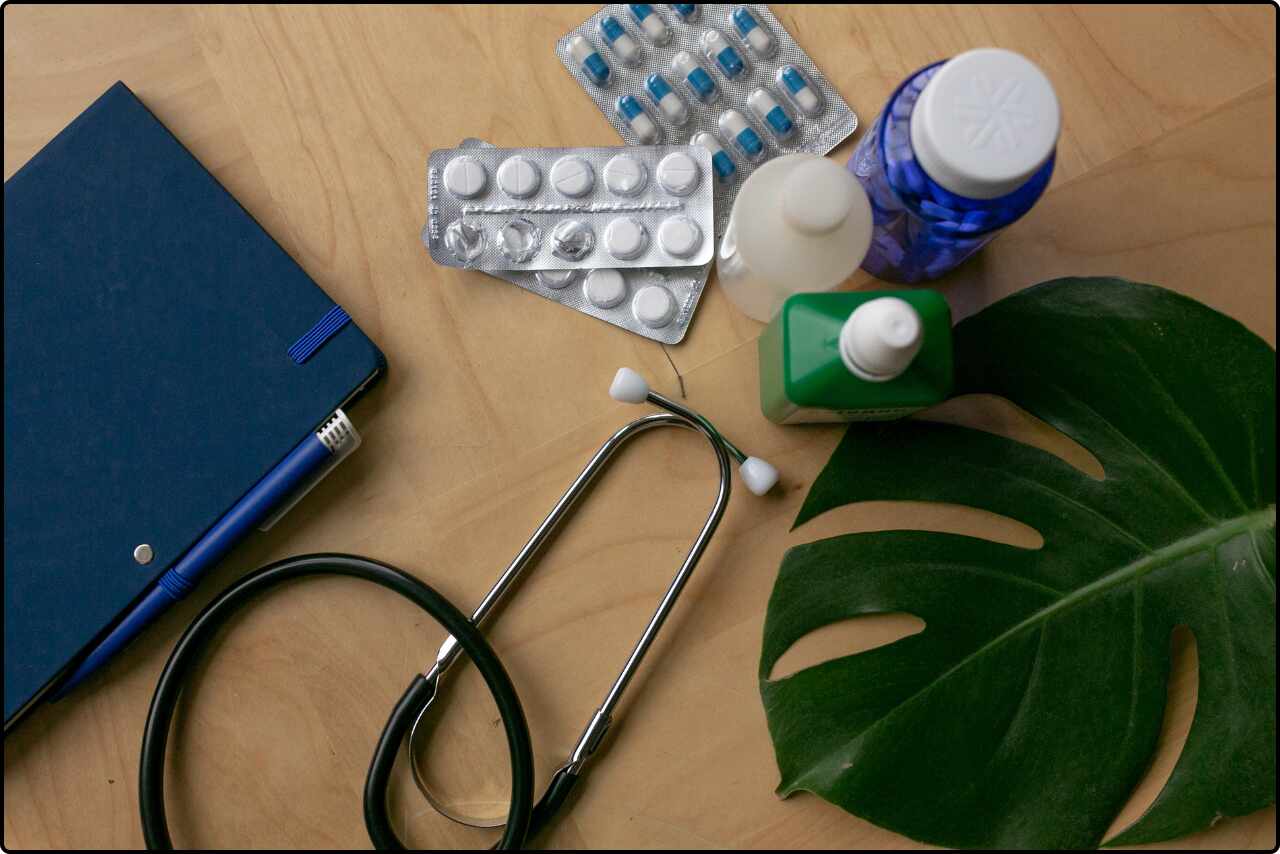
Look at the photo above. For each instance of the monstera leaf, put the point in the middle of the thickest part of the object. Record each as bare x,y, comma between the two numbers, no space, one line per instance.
1028,708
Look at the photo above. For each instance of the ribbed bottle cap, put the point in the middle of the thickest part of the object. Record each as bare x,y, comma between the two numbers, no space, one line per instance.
985,122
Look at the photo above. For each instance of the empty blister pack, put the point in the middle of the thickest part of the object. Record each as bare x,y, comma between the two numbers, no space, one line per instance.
656,303
726,78
570,208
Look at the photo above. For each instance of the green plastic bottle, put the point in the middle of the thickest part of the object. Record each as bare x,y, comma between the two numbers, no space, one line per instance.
855,356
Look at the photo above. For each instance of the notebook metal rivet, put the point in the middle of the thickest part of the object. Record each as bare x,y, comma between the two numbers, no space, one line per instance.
143,554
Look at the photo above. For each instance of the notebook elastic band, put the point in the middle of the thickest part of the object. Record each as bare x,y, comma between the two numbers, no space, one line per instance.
328,326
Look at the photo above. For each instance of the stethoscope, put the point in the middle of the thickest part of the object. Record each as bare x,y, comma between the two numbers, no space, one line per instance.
525,818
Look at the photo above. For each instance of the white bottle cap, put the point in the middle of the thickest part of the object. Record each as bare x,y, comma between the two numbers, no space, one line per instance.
881,339
801,223
985,122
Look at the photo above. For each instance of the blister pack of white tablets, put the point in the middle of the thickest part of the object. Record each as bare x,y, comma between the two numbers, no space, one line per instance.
570,208
656,303
726,78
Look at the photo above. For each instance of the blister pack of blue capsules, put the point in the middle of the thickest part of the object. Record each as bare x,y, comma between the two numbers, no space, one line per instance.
728,78
654,302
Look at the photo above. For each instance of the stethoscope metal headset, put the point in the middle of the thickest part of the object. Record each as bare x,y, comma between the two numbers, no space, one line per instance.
525,818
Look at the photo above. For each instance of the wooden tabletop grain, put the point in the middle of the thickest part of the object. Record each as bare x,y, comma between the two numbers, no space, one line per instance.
320,122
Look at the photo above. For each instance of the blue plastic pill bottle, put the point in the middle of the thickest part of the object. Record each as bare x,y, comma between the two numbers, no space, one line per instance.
963,148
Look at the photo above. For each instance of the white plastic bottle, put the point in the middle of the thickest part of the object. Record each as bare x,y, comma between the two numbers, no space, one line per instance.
800,223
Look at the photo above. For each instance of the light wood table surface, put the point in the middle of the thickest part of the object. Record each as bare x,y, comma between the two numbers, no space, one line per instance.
320,121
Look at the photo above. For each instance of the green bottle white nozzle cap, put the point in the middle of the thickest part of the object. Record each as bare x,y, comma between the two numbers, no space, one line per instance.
881,339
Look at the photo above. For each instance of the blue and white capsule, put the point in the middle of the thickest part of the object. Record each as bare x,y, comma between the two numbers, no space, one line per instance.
799,90
670,104
699,82
641,123
651,22
590,61
619,41
771,114
754,35
721,163
735,128
722,54
687,12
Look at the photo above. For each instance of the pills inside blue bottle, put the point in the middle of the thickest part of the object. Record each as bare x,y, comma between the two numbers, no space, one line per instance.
942,181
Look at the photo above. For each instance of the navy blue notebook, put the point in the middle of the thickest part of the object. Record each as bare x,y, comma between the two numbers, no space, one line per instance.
149,380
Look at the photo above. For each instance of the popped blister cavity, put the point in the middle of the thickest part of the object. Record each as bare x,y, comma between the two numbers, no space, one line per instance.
518,240
573,240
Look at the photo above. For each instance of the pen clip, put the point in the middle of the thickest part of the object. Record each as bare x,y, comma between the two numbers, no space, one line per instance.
340,436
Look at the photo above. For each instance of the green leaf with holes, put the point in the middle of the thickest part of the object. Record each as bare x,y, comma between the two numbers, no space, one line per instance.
1029,707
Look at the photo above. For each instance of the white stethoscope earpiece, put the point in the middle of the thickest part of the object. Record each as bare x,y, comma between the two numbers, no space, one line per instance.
629,387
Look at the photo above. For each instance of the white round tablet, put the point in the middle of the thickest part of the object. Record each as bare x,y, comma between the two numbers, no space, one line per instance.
465,177
678,173
572,176
679,236
625,238
518,177
556,279
605,288
625,176
654,306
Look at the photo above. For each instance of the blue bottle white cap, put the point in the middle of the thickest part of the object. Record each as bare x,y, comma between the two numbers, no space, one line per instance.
985,123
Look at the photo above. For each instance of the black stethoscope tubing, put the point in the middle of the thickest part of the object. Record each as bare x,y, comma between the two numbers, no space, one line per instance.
524,818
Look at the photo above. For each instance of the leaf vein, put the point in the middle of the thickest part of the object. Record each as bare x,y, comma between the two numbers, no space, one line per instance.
1136,569
1177,412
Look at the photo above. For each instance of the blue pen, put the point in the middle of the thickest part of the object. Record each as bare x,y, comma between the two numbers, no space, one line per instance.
323,448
